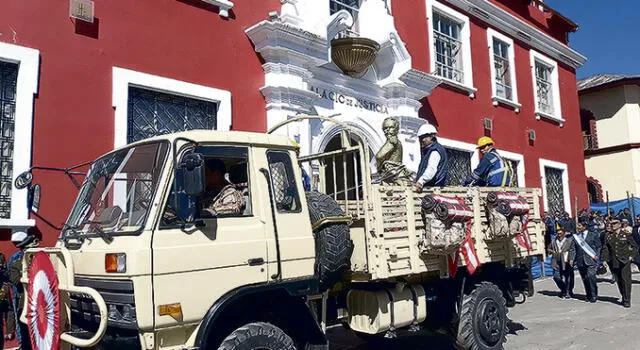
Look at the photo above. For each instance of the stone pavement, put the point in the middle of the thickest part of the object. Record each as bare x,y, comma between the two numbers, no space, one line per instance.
543,322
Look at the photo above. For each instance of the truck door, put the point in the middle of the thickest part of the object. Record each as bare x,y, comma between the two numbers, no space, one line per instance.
195,266
293,239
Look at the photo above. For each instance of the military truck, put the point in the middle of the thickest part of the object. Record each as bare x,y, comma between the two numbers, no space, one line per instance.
138,264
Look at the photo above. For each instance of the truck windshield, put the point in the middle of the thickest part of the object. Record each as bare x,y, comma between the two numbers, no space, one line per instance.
116,195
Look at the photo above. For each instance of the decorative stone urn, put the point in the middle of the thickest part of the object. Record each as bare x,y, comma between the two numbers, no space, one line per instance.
353,55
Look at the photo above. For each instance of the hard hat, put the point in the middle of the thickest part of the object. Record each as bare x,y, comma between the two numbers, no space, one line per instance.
426,129
21,239
484,140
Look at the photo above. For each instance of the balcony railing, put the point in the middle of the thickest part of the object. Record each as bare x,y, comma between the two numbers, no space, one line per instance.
589,142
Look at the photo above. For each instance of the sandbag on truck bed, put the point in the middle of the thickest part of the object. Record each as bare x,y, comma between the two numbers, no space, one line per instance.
444,219
504,213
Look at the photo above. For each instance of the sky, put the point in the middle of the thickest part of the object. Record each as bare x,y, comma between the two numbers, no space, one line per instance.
608,35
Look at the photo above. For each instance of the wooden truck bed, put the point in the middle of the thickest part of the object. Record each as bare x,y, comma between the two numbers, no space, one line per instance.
387,229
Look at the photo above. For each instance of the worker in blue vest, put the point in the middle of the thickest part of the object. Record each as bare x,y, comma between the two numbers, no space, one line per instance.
493,170
434,164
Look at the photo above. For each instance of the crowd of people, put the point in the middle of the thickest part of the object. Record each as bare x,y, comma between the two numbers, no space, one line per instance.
590,244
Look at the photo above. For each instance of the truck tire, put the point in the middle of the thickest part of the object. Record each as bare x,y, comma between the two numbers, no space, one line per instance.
483,319
259,335
333,241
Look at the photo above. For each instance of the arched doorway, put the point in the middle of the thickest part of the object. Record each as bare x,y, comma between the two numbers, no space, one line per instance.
342,172
595,190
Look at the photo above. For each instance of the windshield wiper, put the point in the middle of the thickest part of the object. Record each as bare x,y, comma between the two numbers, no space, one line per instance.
107,237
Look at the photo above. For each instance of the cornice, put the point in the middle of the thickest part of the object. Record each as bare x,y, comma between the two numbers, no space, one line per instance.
273,35
224,5
519,29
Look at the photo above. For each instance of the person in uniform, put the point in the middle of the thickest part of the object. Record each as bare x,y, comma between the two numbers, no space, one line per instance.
22,240
434,164
6,309
588,249
563,252
221,197
620,251
492,171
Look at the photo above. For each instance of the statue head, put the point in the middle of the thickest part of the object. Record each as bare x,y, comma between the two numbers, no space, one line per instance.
390,127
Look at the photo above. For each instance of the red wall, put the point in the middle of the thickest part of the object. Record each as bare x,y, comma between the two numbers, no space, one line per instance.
461,118
180,39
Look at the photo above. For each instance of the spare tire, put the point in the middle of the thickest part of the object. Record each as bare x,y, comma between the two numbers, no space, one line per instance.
333,242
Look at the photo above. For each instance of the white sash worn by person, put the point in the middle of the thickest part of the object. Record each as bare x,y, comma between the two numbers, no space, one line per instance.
584,246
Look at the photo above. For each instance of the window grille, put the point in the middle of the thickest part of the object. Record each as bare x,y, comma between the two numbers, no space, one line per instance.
448,47
555,190
459,166
513,164
283,182
153,113
8,83
502,67
351,6
544,87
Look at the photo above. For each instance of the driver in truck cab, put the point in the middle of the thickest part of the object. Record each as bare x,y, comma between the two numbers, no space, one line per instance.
221,197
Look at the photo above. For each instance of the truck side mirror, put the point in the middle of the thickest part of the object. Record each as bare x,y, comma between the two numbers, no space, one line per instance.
23,180
192,166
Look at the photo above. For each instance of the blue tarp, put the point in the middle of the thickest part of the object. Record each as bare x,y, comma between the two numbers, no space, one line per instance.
538,269
617,206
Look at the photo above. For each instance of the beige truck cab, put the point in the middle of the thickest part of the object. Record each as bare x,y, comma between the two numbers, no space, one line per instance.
208,240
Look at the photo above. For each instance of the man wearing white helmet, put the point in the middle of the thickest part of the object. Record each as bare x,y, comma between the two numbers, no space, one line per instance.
434,165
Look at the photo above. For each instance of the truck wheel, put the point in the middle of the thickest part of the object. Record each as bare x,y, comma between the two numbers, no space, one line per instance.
333,241
483,319
258,336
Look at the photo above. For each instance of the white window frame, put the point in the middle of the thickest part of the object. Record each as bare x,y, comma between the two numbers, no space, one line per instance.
520,170
462,146
545,163
28,60
513,102
124,78
465,36
557,112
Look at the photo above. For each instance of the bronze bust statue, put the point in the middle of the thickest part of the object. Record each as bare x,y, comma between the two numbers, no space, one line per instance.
389,157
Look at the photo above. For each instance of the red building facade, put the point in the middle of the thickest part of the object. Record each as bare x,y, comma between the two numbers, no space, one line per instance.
72,90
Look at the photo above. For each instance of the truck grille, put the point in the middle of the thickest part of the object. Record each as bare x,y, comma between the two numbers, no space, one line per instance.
118,295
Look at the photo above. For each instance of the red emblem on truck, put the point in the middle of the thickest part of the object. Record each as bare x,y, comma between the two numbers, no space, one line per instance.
43,308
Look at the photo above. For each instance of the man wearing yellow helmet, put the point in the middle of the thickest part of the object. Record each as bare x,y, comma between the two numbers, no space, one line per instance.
493,171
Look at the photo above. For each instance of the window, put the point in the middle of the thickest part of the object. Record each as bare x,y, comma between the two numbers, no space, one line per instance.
448,47
451,49
546,87
283,182
555,190
502,60
19,72
101,207
8,82
516,163
459,166
555,186
158,105
153,113
351,6
227,194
